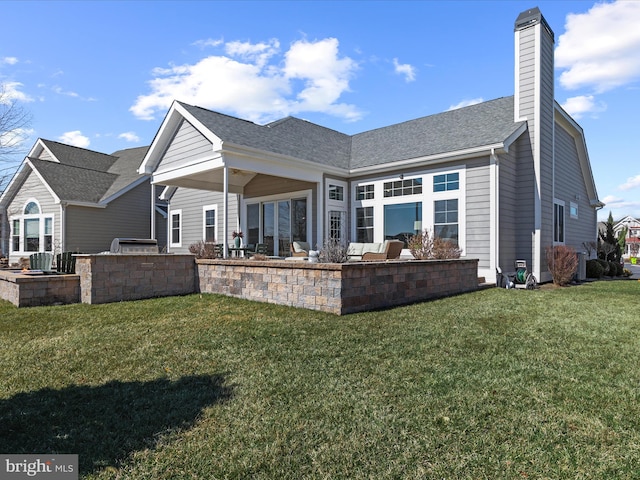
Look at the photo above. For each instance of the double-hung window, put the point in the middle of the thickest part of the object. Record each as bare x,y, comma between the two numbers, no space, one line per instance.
558,221
209,223
175,233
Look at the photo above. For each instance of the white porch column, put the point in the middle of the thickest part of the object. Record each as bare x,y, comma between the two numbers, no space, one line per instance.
153,212
225,209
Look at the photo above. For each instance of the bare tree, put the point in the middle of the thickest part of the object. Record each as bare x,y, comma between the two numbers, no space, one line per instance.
14,126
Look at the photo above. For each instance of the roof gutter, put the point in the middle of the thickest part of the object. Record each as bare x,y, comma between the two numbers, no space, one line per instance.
432,159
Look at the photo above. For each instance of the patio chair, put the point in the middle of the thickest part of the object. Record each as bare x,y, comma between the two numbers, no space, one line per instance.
260,249
218,250
65,262
41,261
300,249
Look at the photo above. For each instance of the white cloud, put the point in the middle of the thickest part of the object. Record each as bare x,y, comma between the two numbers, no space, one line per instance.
67,93
9,60
599,49
129,137
466,103
259,53
580,105
256,82
631,183
75,138
15,138
405,69
10,91
209,42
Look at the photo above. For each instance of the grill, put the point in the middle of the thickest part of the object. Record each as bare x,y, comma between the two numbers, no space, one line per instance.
134,245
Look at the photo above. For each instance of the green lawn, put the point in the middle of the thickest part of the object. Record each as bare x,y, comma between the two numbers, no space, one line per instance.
497,384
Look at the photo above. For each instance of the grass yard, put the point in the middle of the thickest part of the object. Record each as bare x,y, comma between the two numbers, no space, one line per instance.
497,384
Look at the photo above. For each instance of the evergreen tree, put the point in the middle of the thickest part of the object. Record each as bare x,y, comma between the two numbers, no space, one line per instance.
609,245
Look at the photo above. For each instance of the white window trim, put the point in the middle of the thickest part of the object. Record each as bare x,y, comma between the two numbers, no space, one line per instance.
41,228
171,214
307,194
573,206
428,197
205,209
337,206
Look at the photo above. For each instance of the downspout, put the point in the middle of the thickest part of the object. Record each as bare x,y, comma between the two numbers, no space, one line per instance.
494,220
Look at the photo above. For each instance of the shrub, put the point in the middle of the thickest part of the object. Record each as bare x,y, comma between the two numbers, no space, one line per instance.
594,269
613,269
421,245
444,249
203,249
619,269
563,263
424,246
605,266
333,252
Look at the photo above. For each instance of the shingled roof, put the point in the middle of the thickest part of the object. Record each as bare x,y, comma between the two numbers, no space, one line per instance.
80,175
479,125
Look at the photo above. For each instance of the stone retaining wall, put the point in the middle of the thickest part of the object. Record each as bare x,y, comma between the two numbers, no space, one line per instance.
335,288
36,290
338,288
115,278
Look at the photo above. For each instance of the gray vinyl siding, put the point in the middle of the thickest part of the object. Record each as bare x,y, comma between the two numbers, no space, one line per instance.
33,188
186,148
478,205
191,202
525,200
570,188
509,216
45,155
91,230
546,132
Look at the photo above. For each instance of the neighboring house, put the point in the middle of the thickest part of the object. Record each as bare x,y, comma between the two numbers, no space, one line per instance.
65,198
505,179
631,228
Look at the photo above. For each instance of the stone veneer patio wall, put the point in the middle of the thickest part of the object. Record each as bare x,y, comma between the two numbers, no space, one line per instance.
37,290
338,288
114,278
335,288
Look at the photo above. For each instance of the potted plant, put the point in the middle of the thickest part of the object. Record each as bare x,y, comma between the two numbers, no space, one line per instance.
237,238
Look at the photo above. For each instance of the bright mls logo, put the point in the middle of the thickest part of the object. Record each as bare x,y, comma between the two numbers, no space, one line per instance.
50,467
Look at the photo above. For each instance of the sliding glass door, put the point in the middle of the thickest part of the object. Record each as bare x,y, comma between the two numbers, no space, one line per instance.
277,224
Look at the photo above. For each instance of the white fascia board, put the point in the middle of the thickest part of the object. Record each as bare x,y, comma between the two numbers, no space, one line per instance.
20,173
259,158
37,149
168,193
72,203
165,134
165,177
432,159
514,136
122,191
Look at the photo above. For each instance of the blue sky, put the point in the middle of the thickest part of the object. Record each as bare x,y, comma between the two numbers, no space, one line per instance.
101,75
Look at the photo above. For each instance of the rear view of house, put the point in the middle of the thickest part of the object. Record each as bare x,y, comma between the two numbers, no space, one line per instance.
504,179
65,198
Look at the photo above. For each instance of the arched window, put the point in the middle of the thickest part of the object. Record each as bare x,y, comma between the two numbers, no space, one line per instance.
32,209
32,231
